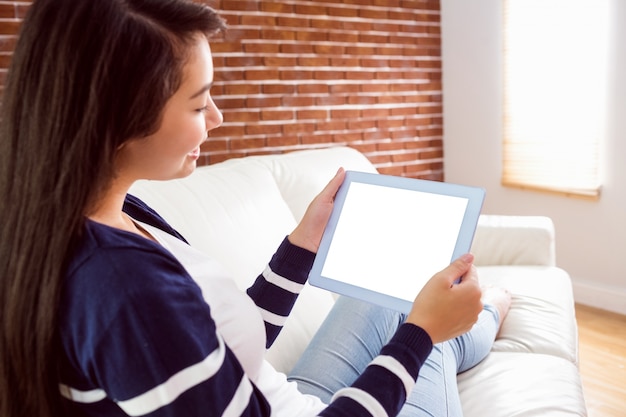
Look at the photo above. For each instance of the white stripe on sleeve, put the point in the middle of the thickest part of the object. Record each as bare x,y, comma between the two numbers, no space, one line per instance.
371,404
177,384
272,318
393,365
240,400
273,278
85,397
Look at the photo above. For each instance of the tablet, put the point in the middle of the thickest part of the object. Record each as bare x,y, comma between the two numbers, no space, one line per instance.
387,236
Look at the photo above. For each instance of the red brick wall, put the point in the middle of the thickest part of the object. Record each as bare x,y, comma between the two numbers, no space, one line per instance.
301,74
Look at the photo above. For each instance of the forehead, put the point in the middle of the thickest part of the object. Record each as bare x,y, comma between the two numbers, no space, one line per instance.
198,68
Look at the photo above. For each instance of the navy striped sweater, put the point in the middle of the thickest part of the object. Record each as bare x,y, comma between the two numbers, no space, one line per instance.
138,339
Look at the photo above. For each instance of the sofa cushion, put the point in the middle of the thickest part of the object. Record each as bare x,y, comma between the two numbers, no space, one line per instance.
521,384
541,318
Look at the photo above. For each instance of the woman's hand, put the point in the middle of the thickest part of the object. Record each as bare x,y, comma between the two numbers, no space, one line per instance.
308,233
444,309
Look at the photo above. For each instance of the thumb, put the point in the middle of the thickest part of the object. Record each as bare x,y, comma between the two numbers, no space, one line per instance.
458,269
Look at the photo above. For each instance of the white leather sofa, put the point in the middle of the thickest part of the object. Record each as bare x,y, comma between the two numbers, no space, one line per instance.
238,211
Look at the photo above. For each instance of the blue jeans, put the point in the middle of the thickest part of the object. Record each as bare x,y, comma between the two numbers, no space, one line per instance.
353,334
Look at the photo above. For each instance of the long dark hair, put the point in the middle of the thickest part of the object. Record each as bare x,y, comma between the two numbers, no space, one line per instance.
86,76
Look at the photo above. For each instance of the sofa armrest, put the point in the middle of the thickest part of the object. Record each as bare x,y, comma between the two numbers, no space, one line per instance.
514,240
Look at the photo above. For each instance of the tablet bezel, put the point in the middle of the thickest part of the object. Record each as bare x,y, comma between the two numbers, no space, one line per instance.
474,195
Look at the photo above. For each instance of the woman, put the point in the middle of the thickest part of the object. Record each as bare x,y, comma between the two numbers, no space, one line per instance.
105,309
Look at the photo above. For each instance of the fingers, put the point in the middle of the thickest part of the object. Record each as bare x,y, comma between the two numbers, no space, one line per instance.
332,187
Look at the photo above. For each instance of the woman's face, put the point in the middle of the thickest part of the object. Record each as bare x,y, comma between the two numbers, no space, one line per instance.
189,114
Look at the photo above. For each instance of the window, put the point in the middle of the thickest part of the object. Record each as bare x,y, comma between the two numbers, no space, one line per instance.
555,62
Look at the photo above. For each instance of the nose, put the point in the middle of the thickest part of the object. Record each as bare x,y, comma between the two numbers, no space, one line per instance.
214,117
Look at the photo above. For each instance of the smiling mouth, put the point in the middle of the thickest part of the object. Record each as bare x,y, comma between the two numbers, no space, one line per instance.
195,153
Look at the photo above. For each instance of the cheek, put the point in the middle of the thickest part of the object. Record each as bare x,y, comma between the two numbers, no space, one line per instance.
186,134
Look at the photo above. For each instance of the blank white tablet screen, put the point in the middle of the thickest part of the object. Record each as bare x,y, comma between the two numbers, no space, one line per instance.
392,240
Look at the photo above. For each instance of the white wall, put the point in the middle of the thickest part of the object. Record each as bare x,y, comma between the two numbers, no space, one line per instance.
591,235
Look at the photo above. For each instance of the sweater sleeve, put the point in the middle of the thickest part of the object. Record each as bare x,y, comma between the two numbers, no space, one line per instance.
139,340
384,386
276,290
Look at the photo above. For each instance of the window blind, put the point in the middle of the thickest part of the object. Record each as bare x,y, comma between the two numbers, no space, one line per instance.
555,70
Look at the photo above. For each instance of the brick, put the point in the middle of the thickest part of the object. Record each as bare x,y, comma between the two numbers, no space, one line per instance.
276,7
278,89
313,61
279,61
229,103
247,143
331,49
347,137
374,14
314,88
240,61
265,48
332,125
296,75
345,114
389,123
343,11
344,88
326,24
239,5
242,89
277,114
361,124
265,74
263,102
334,100
7,43
302,9
312,36
7,11
235,34
258,20
9,27
298,101
240,116
297,22
362,100
298,128
312,114
278,34
220,76
282,141
296,48
361,50
344,61
328,75
379,113
263,129
403,157
314,139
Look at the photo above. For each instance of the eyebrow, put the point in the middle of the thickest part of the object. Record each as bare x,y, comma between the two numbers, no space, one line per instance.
204,89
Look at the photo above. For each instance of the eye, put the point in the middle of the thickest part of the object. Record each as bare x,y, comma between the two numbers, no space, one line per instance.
203,109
